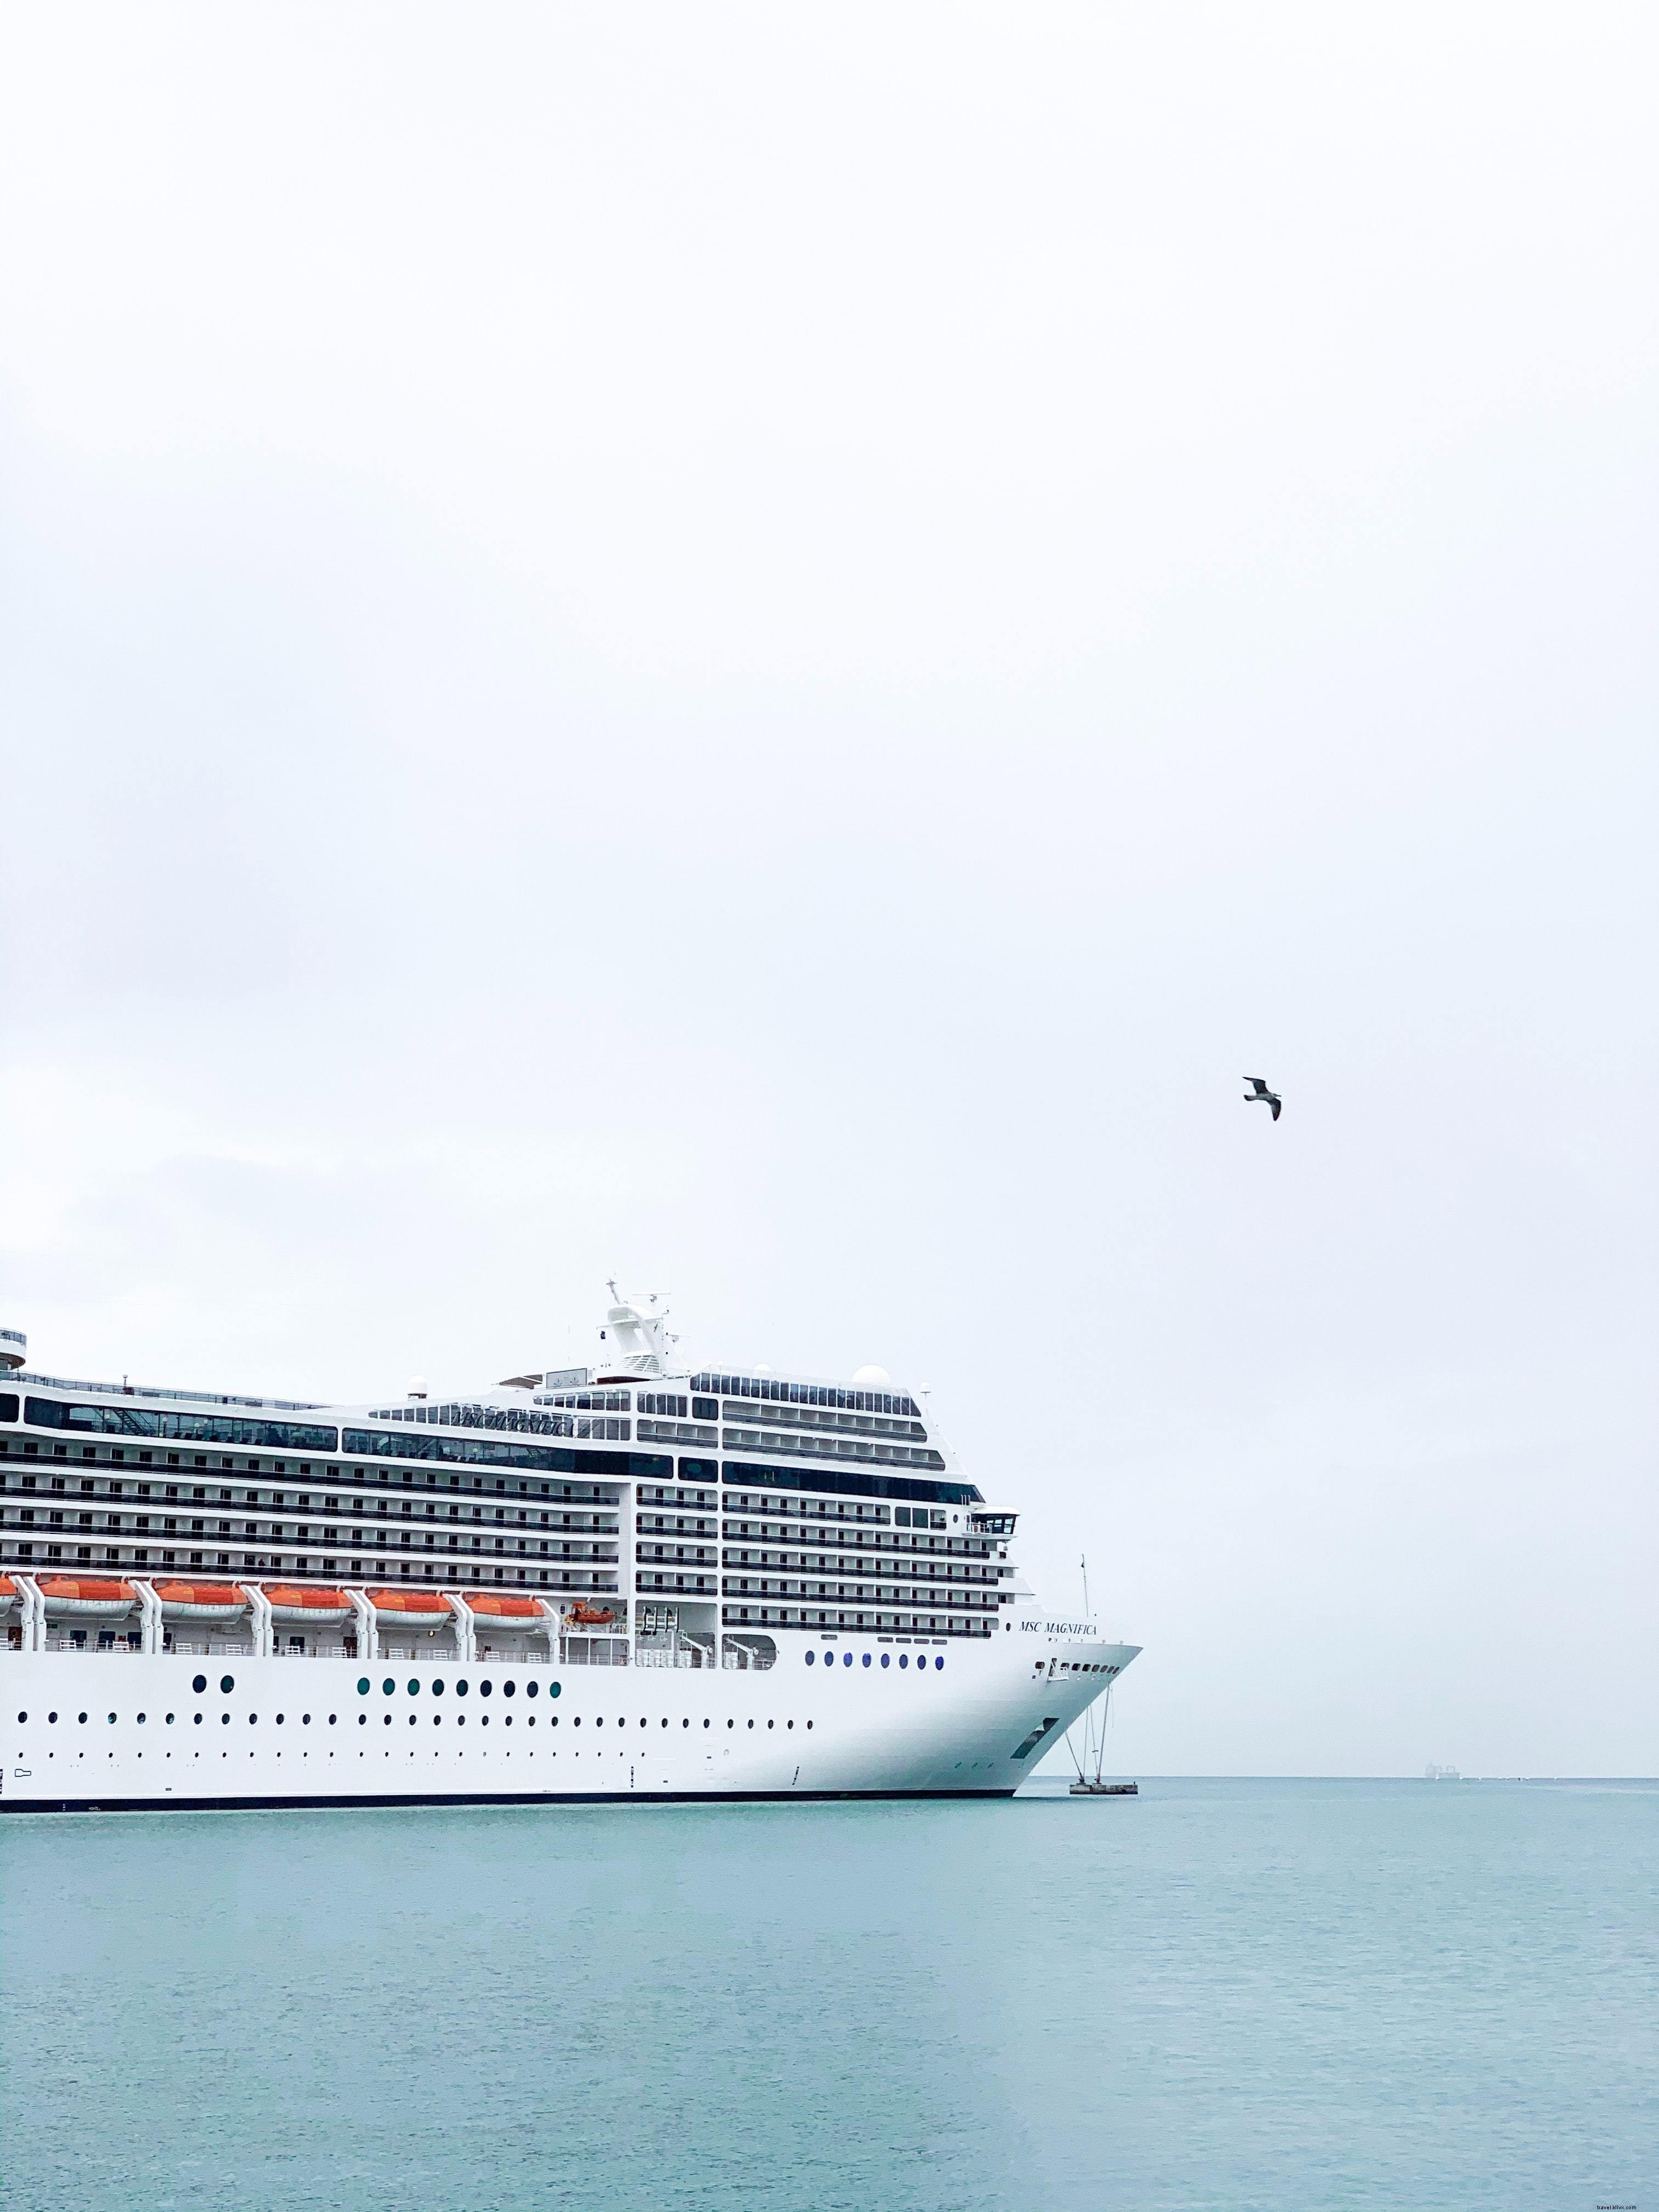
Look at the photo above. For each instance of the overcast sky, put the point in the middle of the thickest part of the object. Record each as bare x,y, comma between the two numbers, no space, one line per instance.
763,650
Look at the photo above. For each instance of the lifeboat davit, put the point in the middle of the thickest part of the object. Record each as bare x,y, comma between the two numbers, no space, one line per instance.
72,1597
201,1600
295,1606
498,1611
410,1608
7,1594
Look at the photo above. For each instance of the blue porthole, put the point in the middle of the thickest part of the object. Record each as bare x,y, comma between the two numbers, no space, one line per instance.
904,1658
886,1658
939,1662
812,1658
866,1658
846,1658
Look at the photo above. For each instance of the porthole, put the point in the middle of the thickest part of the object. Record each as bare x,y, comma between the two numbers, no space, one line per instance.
387,1687
904,1658
281,1717
305,1720
771,1724
791,1723
462,1686
486,1688
21,1717
886,1658
599,1720
199,1684
751,1724
169,1720
251,1719
809,1723
664,1721
509,1689
363,1720
52,1717
386,1719
728,1723
142,1717
112,1720
224,1720
940,1661
362,1685
812,1658
866,1658
846,1658
552,1689
438,1687
532,1689
82,1718
198,1719
414,1688
331,1720
226,1683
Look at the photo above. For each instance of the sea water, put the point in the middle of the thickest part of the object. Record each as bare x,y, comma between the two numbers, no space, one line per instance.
1221,1993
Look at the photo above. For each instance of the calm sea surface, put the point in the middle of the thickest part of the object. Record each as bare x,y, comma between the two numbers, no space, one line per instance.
1228,1994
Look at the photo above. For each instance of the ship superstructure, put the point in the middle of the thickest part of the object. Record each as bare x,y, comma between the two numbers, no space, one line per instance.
634,1577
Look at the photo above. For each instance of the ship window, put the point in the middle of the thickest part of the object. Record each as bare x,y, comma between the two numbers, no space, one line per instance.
438,1687
886,1658
485,1688
866,1662
362,1685
199,1684
388,1687
904,1658
226,1683
509,1689
414,1688
462,1686
198,1720
811,1657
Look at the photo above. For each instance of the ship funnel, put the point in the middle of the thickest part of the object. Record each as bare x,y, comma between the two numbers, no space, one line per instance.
635,1343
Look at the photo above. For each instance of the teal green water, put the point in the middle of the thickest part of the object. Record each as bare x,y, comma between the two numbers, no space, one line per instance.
1227,1993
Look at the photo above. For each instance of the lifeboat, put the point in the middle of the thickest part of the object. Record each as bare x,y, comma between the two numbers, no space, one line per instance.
589,1616
497,1612
72,1597
410,1608
200,1601
8,1595
295,1606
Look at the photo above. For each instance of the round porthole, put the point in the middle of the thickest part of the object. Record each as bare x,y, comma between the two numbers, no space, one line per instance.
462,1686
362,1685
226,1683
438,1687
199,1684
886,1658
532,1689
812,1658
414,1688
904,1658
846,1658
940,1661
552,1689
866,1658
388,1687
509,1689
486,1688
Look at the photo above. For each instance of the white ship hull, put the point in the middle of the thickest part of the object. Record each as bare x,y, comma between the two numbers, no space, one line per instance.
974,1727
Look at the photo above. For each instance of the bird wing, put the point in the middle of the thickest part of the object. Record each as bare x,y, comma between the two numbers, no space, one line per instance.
1258,1088
1277,1105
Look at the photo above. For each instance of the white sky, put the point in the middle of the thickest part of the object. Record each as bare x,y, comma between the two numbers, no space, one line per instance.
762,649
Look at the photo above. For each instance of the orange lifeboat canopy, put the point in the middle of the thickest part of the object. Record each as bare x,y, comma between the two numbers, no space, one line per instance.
74,1597
589,1616
506,1612
294,1603
8,1592
429,1607
200,1601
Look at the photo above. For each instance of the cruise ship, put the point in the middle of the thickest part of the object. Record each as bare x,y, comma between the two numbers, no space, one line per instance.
628,1580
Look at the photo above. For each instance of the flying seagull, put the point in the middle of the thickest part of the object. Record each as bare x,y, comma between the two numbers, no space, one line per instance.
1258,1090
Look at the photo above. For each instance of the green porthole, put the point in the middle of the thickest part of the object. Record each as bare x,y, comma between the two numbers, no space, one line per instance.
362,1685
414,1688
388,1686
552,1689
